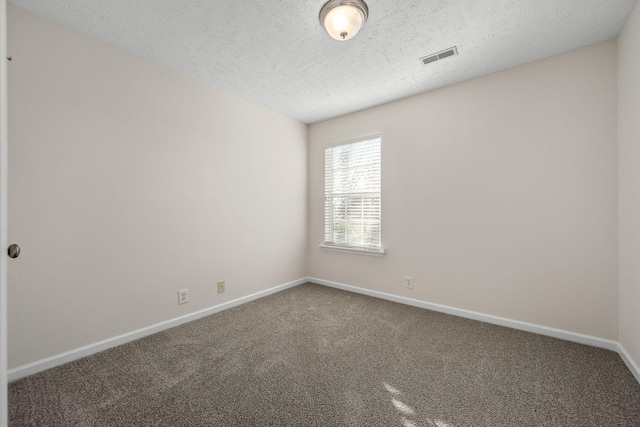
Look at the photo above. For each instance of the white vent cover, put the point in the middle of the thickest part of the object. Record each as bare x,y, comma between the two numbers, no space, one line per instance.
439,55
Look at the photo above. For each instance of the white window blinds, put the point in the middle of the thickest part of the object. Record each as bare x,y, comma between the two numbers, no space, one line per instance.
352,195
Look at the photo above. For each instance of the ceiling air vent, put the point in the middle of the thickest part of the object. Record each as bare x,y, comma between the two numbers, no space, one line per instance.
439,55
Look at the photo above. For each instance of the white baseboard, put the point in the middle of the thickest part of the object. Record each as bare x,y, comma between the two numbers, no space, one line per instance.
501,321
69,356
628,360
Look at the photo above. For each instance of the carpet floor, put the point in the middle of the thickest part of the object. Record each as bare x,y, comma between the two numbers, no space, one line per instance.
317,356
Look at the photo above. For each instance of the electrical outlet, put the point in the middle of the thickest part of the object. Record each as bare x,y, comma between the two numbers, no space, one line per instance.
183,296
221,287
408,282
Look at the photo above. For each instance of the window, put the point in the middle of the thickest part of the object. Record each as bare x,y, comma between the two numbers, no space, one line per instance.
352,196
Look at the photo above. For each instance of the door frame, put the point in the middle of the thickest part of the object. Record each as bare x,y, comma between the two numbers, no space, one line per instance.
4,165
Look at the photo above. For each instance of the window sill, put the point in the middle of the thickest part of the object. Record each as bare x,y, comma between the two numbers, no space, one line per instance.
378,253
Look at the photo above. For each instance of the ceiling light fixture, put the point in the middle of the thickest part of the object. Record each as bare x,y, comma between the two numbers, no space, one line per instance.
343,18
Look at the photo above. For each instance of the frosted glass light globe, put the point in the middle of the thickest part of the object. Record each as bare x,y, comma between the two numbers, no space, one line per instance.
343,22
343,18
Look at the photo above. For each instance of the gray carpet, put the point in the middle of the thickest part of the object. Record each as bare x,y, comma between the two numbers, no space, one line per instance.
316,356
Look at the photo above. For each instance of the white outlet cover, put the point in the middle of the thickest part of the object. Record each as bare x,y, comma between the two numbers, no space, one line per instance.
408,282
183,296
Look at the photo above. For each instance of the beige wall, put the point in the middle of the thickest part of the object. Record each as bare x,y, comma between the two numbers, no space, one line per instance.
129,182
499,194
629,183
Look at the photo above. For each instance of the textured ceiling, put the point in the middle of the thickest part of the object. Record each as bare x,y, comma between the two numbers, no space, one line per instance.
275,53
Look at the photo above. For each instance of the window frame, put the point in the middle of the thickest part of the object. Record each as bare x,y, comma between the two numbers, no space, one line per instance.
337,247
